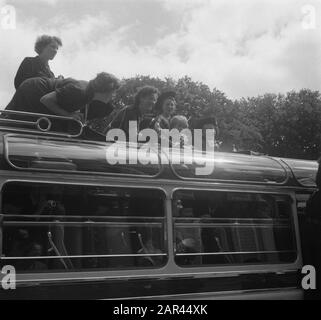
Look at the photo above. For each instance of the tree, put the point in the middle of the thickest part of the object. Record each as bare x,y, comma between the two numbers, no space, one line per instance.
276,124
299,125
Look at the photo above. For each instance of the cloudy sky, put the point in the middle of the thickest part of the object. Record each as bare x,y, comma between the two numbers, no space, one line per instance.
241,47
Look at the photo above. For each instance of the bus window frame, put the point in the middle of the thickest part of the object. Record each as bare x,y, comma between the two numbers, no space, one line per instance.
75,274
296,264
170,269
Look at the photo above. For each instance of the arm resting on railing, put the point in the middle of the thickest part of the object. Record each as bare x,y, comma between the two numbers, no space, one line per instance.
50,101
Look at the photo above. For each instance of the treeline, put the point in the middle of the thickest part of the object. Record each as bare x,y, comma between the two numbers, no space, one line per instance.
284,125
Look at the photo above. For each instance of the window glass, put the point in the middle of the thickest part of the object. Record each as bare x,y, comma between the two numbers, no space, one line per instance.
60,227
214,228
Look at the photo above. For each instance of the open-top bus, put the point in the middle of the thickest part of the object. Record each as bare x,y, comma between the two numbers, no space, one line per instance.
75,226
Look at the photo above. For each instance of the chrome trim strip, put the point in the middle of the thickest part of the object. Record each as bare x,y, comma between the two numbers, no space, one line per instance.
81,224
232,253
216,294
83,276
86,256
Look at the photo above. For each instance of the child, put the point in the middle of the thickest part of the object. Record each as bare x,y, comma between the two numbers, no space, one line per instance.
180,123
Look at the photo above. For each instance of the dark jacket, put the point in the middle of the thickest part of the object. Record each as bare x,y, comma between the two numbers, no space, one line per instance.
121,120
72,95
32,67
99,116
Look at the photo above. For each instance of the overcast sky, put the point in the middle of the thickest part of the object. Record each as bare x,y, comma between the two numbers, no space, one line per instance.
241,47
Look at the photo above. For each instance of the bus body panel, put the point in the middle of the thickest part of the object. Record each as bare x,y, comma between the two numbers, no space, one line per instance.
169,281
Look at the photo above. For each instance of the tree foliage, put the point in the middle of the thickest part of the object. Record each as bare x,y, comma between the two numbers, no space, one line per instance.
285,125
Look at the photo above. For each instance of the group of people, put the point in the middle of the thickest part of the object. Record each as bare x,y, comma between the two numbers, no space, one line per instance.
38,90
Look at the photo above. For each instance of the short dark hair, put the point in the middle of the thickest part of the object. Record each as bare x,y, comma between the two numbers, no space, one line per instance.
144,92
198,123
104,82
44,40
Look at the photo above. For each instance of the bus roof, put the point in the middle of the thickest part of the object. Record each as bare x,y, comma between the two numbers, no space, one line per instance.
53,154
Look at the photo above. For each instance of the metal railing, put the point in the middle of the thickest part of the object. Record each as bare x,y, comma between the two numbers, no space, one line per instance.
27,122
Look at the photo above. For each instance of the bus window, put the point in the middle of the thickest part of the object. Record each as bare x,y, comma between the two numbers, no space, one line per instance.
69,228
217,228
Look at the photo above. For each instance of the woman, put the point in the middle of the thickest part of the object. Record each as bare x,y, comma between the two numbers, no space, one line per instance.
144,102
31,67
63,97
165,108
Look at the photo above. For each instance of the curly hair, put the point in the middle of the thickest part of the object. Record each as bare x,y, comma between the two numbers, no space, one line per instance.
44,40
162,98
144,92
104,82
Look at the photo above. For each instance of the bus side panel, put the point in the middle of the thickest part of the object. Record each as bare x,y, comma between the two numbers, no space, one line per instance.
156,287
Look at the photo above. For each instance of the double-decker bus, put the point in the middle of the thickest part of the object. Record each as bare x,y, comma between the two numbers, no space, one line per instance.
75,226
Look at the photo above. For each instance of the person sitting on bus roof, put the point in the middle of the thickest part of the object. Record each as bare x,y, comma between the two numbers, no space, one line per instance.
62,97
144,102
165,108
180,123
32,67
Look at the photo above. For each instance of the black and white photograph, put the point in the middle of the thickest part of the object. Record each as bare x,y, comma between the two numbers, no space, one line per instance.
163,150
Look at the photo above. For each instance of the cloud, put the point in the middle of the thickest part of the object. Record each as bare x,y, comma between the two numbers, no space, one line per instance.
243,47
50,2
249,48
35,2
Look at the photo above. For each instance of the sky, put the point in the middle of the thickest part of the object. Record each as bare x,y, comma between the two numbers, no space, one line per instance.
241,47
